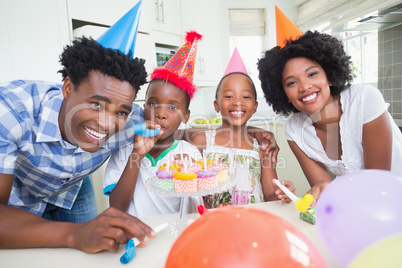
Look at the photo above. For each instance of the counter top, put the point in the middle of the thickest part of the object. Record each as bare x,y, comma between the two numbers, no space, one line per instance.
156,251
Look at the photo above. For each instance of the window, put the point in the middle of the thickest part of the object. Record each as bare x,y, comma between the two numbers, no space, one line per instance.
247,30
364,52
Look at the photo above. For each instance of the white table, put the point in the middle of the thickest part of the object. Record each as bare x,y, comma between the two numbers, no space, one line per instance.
154,254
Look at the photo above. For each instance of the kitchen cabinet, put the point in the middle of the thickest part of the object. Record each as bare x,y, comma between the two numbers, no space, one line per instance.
203,17
165,16
106,12
32,34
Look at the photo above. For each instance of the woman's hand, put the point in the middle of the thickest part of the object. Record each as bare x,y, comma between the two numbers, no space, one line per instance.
316,191
266,140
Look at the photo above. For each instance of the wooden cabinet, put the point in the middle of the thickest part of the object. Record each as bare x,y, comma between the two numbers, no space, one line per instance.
165,17
203,17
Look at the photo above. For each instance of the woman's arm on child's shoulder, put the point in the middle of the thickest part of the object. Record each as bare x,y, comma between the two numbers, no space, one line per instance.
377,143
315,172
266,140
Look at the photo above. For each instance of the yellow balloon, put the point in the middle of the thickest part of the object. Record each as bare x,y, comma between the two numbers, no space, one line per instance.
385,252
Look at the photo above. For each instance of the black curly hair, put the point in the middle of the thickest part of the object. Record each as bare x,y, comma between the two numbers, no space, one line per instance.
85,55
322,48
249,78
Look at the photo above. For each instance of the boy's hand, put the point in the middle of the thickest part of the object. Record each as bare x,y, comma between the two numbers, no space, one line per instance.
281,195
108,231
143,144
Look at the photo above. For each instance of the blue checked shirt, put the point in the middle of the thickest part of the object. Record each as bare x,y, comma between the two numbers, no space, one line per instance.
46,168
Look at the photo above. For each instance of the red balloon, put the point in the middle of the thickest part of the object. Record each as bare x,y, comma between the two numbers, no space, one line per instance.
239,236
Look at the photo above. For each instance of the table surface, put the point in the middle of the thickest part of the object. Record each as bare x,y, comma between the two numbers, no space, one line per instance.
156,251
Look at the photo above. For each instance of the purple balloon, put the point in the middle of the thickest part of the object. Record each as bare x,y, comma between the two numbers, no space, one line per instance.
357,209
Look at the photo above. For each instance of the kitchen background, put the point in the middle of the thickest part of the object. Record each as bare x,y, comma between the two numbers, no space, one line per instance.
33,34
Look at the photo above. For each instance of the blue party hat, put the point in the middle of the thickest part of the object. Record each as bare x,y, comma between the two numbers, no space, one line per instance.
123,33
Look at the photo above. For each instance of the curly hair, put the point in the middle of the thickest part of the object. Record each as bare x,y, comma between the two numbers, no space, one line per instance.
322,48
248,77
85,55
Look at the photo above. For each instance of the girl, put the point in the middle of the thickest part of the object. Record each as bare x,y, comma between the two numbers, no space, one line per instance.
236,101
334,125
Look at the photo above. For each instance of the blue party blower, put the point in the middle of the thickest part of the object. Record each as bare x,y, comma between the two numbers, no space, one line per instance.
132,243
142,130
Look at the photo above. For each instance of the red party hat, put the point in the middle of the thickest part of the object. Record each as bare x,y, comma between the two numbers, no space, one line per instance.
179,70
236,64
285,28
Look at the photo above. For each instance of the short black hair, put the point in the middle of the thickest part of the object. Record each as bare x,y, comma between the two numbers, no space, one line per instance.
86,55
249,78
160,80
324,49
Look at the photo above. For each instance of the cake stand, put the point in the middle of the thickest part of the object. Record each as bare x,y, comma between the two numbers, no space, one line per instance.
189,200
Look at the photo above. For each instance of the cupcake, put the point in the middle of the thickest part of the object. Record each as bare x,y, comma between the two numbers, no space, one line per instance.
209,162
192,169
222,171
174,166
207,179
165,180
185,182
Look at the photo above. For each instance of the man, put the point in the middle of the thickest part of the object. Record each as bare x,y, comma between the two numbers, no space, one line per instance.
54,136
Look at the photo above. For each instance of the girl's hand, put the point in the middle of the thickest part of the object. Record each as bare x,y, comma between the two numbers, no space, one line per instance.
280,194
226,204
143,145
316,191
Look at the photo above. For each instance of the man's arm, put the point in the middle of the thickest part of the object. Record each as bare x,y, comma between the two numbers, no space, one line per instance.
22,229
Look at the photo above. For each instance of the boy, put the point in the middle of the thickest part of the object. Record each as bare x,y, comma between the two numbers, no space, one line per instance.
167,101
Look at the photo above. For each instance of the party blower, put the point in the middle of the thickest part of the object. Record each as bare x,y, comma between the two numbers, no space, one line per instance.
142,130
302,204
132,243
